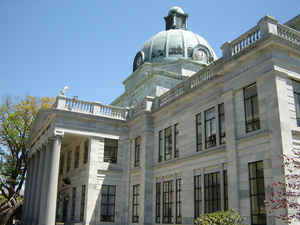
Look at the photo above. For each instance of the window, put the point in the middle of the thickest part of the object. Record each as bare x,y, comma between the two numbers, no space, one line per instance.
137,149
296,87
211,187
135,203
82,203
69,161
225,180
212,192
160,145
86,151
198,196
73,202
110,150
210,128
198,132
167,201
178,216
157,204
108,196
222,133
251,108
76,161
62,164
176,133
168,143
257,193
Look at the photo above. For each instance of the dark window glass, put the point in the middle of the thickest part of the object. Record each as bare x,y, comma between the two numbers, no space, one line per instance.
158,197
168,143
82,203
69,161
76,157
225,179
176,133
62,164
210,128
108,197
86,151
160,145
199,132
73,202
135,203
137,149
198,196
168,202
110,150
212,192
251,108
178,215
222,133
257,193
297,100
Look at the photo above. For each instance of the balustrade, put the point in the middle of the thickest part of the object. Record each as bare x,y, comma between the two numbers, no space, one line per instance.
93,108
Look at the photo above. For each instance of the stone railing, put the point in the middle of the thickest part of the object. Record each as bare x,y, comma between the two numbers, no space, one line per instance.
172,94
199,78
186,86
288,33
245,40
92,108
267,25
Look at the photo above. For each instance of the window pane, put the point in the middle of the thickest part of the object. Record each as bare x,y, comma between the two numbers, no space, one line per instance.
108,203
110,150
257,193
199,132
251,108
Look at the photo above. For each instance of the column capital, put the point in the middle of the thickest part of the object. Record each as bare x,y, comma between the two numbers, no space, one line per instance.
58,134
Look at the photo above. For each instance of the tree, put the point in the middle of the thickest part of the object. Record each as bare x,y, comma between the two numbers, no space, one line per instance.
230,217
284,200
16,118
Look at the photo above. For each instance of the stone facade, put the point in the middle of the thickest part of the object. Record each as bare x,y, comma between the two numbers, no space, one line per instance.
171,132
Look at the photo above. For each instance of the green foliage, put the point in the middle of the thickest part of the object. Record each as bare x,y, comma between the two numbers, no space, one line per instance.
16,119
230,217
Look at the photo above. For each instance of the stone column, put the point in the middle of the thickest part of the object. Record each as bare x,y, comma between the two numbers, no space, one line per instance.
40,182
27,190
50,209
37,188
45,181
33,188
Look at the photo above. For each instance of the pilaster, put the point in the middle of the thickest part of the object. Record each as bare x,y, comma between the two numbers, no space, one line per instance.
233,167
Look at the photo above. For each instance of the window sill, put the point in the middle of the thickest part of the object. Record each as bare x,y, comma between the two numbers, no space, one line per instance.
256,133
217,149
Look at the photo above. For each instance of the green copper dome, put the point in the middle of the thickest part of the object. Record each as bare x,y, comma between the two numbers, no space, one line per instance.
176,42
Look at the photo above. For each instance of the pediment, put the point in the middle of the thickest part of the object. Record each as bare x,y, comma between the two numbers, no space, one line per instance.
42,121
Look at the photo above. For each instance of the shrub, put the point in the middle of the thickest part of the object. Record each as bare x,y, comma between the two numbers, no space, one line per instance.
230,217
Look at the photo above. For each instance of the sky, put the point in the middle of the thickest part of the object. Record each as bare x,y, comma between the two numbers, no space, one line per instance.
89,45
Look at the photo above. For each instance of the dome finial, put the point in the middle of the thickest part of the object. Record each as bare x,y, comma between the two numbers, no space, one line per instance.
176,9
176,19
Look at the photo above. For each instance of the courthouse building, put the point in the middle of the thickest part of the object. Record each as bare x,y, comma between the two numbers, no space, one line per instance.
191,134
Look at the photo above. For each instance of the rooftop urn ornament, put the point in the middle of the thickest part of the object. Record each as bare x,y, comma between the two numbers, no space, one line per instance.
64,90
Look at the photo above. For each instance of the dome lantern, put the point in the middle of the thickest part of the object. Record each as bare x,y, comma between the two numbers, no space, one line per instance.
176,19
